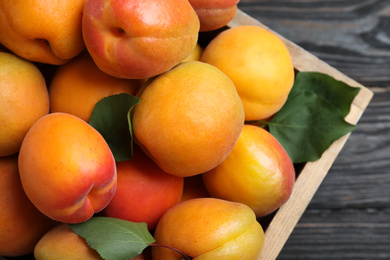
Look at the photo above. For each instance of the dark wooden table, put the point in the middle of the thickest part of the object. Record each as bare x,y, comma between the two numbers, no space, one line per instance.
349,217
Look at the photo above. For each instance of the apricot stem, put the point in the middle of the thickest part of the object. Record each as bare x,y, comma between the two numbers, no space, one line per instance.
185,257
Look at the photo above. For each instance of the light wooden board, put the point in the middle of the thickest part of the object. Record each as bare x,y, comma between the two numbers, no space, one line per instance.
313,173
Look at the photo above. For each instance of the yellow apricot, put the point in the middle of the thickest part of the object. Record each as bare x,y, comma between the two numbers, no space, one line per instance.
209,228
62,243
259,64
258,173
23,100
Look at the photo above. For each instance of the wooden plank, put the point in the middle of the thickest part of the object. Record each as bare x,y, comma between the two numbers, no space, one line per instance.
351,239
313,173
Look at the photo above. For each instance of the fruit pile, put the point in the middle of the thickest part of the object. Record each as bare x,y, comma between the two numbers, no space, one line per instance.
193,163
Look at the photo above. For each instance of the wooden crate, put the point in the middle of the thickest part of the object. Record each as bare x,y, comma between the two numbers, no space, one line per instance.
280,224
283,221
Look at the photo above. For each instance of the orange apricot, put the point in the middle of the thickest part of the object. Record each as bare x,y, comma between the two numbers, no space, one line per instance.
66,167
78,85
259,64
22,225
42,30
188,119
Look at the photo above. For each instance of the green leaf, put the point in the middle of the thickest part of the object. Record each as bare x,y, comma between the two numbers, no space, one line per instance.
313,116
307,125
114,239
336,92
111,117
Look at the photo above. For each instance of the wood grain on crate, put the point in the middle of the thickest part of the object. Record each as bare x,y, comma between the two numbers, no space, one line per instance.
313,173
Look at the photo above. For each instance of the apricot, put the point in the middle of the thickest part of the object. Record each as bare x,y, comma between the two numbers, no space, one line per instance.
214,14
42,30
144,191
66,167
62,243
139,38
188,119
259,64
23,100
78,85
22,225
208,228
258,173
